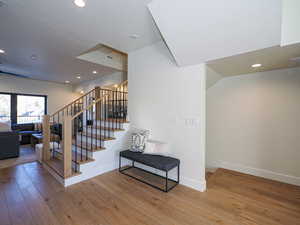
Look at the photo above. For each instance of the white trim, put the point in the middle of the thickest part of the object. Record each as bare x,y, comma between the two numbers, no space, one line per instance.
191,183
258,172
54,174
95,172
194,184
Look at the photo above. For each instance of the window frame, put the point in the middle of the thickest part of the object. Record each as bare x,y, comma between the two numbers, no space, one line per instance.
2,93
14,104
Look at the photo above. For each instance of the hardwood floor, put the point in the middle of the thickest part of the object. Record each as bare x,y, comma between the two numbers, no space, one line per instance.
30,196
27,154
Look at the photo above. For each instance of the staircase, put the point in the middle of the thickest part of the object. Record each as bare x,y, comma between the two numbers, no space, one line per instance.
83,139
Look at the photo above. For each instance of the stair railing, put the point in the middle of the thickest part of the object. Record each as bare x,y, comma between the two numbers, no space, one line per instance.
123,87
72,134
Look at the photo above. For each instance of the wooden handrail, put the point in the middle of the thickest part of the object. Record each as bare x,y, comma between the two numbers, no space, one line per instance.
123,83
73,102
89,106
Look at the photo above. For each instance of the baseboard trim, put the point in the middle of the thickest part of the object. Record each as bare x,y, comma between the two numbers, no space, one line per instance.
54,174
194,184
191,183
257,172
95,172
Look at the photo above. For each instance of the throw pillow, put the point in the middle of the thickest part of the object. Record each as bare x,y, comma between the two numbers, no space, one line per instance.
154,147
138,141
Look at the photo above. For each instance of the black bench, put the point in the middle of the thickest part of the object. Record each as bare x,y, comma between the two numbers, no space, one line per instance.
162,163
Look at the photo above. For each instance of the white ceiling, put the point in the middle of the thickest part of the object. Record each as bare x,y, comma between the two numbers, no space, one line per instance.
197,31
57,31
271,59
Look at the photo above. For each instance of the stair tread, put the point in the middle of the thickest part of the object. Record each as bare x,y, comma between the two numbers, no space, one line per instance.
114,120
99,137
87,146
105,128
56,165
79,159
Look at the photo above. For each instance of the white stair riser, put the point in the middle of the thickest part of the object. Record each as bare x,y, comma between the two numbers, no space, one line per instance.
83,152
98,131
74,149
105,160
109,124
90,140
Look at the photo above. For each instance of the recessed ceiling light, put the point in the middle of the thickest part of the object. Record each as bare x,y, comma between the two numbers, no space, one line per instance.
134,36
81,92
67,82
78,77
95,72
2,51
256,65
80,3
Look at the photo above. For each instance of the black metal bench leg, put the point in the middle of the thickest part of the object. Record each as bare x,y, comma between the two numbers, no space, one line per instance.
120,164
166,190
178,174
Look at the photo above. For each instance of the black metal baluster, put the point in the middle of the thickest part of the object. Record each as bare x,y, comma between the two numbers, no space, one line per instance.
75,130
104,113
114,110
119,109
100,117
81,129
126,105
109,112
93,121
91,126
96,117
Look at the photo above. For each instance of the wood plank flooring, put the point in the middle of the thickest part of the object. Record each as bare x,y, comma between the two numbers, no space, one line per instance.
27,154
29,195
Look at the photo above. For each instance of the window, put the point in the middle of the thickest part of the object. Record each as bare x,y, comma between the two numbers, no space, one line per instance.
5,107
30,109
22,108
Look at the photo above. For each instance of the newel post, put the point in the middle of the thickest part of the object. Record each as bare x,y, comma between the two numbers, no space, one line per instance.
67,145
46,138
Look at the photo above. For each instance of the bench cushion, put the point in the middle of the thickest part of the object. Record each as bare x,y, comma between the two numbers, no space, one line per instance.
156,161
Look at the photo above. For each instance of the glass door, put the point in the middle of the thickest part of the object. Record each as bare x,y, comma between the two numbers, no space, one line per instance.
5,107
30,109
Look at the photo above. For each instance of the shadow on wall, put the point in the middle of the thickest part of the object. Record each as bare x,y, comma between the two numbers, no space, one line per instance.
212,77
106,80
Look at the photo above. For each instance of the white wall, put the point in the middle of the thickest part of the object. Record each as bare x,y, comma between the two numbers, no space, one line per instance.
253,124
161,97
290,32
59,95
106,80
212,77
198,31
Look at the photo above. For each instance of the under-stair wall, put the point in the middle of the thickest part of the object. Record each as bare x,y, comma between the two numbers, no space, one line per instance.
83,139
105,160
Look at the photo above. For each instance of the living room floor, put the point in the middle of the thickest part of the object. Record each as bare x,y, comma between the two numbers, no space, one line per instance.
27,154
31,196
